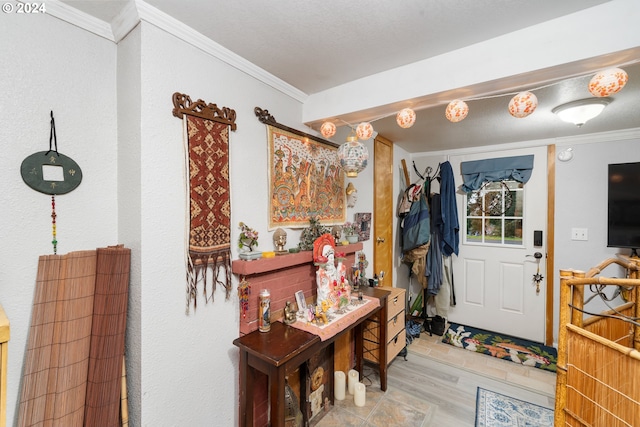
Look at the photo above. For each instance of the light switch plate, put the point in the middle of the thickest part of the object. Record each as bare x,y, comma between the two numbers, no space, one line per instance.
579,234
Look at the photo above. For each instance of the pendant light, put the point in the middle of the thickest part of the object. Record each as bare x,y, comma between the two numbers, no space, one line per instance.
456,111
353,156
608,82
328,129
364,131
523,104
406,118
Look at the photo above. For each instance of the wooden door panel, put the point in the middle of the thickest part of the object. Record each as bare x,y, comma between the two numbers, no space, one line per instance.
383,209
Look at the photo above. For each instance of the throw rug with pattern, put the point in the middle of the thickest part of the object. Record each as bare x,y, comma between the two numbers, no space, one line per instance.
497,410
518,350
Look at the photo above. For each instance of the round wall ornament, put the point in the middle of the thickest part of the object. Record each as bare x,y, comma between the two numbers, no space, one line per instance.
51,173
496,203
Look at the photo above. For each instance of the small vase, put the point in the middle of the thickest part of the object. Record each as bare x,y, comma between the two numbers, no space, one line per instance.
352,238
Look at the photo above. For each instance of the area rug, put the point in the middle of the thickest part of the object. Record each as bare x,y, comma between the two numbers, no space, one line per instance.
502,346
497,410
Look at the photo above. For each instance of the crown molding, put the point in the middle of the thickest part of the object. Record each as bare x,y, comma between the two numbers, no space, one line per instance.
80,19
187,34
138,10
125,21
615,135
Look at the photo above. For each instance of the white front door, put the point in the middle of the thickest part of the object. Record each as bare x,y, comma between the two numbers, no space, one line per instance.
494,281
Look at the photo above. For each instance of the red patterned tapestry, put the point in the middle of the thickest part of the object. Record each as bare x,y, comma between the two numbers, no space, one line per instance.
208,226
209,207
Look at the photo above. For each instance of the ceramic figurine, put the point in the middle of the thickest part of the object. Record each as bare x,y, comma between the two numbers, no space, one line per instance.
289,314
352,195
280,241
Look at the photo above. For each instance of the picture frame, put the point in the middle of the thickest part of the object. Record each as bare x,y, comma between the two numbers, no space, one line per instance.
305,181
300,301
363,220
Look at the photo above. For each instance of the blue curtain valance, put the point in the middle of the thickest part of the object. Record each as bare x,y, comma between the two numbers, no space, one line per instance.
476,173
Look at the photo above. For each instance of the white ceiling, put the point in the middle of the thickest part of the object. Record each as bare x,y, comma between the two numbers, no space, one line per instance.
318,45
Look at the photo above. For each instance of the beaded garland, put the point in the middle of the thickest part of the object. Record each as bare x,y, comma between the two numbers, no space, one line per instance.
53,224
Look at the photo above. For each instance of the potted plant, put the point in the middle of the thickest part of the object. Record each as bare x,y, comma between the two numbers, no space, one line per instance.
350,230
246,241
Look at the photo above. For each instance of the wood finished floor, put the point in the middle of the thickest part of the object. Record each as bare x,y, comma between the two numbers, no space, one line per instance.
436,387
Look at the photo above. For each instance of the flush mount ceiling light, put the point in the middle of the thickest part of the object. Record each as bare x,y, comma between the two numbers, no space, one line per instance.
580,111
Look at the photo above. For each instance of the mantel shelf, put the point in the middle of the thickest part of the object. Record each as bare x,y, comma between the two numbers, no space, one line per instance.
265,265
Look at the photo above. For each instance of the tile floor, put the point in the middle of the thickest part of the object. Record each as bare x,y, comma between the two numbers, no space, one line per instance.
436,386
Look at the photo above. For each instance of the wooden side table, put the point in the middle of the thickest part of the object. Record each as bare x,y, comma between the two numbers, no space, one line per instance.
283,349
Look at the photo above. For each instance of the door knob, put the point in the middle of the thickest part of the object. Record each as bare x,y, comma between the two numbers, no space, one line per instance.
380,240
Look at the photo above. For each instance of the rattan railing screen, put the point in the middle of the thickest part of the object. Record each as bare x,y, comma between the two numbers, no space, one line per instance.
73,365
602,382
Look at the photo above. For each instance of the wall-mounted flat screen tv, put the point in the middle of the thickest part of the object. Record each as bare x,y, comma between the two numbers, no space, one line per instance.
623,230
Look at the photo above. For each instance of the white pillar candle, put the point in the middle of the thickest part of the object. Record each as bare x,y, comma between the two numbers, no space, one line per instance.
339,385
354,378
360,397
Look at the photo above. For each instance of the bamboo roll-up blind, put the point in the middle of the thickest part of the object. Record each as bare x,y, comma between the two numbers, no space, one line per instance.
59,347
54,377
107,338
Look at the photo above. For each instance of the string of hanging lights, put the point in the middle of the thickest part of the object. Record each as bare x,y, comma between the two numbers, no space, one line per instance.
353,155
521,105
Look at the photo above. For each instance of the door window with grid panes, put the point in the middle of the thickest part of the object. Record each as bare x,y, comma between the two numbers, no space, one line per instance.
494,214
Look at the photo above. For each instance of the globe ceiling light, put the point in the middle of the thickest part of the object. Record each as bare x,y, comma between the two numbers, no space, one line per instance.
523,104
406,118
328,129
456,111
364,131
581,111
353,156
608,82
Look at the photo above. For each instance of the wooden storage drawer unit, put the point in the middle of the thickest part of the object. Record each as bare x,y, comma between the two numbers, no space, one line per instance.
394,324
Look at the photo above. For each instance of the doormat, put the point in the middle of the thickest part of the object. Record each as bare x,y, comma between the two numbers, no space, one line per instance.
502,346
497,410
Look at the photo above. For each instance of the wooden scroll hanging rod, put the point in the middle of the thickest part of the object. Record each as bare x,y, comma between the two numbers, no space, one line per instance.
266,118
182,104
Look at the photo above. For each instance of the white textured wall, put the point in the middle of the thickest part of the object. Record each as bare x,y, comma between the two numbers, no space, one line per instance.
581,201
50,65
113,112
188,363
129,205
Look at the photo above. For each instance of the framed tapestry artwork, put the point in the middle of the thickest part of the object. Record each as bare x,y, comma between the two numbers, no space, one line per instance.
363,220
305,181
